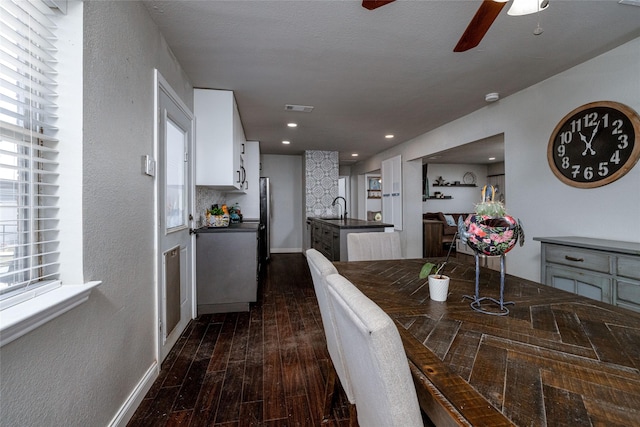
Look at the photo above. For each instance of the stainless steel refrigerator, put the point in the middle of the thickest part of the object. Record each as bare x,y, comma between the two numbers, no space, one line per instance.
264,231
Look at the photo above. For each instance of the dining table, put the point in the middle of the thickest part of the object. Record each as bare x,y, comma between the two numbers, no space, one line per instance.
556,358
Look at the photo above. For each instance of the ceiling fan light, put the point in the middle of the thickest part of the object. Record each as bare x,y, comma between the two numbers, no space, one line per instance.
526,7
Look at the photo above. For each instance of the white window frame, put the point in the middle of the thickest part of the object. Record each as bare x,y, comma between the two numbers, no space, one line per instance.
40,305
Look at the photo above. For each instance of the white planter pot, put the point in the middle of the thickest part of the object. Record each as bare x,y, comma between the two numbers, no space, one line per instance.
438,287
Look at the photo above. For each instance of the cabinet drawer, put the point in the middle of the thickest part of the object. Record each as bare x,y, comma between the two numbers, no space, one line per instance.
629,267
326,235
579,258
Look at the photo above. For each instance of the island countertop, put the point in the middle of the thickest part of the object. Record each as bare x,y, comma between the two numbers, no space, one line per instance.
350,223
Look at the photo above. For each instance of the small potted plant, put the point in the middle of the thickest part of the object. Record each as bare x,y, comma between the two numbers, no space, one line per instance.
217,217
438,282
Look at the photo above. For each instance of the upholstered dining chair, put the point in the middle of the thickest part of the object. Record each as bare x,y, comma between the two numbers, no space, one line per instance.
320,268
382,385
373,246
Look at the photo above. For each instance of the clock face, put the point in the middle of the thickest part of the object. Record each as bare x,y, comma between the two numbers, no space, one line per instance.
595,144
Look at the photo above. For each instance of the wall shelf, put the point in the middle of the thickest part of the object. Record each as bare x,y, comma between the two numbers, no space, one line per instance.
455,185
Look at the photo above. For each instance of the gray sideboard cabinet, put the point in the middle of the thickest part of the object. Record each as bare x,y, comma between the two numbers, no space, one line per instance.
604,270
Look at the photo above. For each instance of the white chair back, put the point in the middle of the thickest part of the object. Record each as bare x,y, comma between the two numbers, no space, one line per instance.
373,246
378,367
320,268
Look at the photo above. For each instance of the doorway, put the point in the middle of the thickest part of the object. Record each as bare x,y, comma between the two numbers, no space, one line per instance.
174,197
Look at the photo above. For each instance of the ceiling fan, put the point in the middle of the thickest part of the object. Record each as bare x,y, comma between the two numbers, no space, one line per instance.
482,20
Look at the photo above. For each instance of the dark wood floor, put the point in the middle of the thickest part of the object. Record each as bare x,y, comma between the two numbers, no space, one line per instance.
266,367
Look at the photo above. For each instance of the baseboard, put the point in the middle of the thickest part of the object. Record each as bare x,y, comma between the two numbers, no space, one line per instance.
128,408
285,250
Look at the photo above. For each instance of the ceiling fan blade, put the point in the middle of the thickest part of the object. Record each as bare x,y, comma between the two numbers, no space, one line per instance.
479,25
374,4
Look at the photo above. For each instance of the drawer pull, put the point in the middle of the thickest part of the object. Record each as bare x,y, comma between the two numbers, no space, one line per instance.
572,258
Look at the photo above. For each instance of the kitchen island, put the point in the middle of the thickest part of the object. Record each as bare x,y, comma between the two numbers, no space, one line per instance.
226,267
329,235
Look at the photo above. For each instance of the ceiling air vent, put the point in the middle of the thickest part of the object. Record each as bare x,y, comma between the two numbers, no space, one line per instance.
299,108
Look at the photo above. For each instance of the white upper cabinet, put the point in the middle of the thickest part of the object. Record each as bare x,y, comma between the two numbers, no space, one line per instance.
220,140
392,191
249,201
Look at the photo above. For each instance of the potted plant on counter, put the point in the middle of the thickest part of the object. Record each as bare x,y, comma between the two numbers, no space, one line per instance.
216,217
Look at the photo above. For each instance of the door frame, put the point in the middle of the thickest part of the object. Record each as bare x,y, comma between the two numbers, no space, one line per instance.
161,84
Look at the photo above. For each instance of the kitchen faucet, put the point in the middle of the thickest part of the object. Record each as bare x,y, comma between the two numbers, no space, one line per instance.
344,216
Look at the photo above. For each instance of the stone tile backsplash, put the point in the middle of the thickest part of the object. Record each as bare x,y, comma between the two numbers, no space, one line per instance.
205,197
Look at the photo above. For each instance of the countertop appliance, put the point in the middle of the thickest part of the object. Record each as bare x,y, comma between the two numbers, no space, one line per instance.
264,230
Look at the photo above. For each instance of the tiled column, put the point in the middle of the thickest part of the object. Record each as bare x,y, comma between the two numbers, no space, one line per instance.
321,183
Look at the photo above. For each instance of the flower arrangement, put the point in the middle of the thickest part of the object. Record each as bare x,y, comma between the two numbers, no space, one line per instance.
490,231
218,216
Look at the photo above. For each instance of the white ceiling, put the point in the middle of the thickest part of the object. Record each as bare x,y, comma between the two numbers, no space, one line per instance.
371,73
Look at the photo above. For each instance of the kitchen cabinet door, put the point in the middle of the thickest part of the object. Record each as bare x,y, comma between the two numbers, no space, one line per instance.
219,140
249,199
591,285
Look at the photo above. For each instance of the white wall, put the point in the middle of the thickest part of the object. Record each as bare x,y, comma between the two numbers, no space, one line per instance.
78,369
546,206
287,188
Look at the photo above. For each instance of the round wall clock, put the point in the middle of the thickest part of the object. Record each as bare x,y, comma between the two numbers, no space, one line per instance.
595,144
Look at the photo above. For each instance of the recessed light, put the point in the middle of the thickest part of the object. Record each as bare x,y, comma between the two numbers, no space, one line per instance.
292,125
354,155
389,136
286,142
492,158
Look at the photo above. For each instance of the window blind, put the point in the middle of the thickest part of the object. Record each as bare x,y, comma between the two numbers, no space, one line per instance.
28,147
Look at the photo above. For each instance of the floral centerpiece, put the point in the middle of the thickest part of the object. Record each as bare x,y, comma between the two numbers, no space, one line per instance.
490,231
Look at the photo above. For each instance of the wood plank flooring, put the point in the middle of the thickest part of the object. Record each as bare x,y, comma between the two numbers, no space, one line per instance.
266,367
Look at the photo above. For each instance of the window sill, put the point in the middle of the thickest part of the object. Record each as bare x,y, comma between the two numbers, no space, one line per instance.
22,318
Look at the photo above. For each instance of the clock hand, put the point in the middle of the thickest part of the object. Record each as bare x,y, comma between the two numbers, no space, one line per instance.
583,138
586,143
588,147
595,130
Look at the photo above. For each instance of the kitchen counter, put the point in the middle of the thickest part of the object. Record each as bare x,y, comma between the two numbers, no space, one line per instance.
226,267
241,226
329,235
350,223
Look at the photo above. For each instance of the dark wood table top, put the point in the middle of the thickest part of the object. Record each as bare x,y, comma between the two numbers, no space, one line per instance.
556,359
